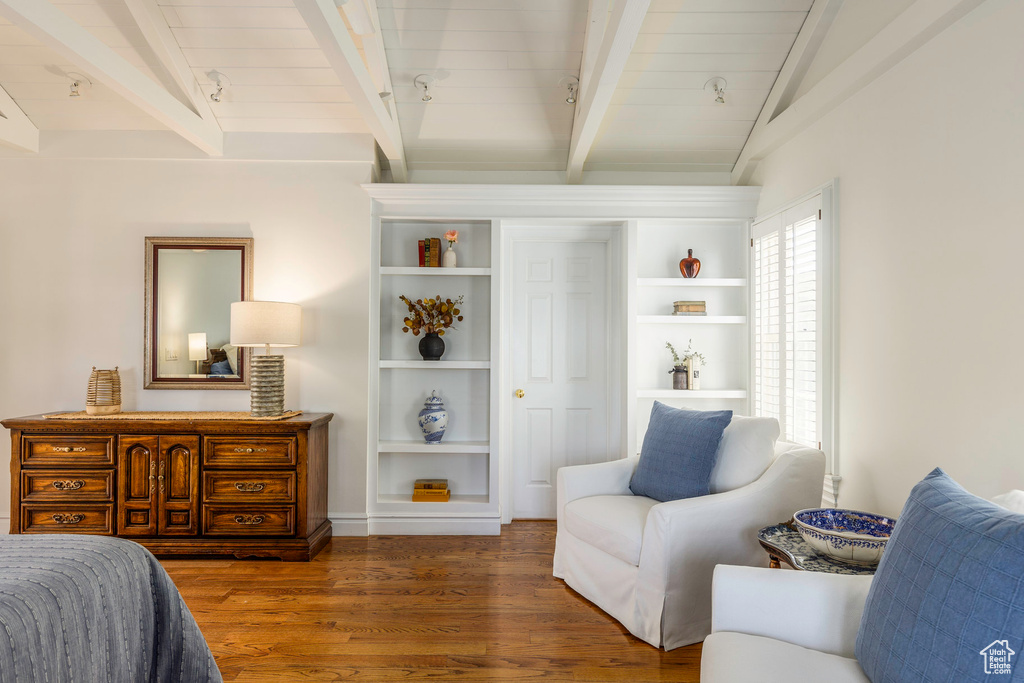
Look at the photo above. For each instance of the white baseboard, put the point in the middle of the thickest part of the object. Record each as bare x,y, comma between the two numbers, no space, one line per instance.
402,525
5,525
348,524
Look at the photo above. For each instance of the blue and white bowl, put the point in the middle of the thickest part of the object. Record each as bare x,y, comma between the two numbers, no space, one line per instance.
847,535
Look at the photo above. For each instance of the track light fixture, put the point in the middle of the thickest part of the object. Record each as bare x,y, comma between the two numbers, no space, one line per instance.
717,84
423,81
573,85
77,83
219,80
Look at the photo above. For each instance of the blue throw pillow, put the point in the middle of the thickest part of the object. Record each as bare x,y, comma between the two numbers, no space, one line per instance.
679,452
947,601
220,368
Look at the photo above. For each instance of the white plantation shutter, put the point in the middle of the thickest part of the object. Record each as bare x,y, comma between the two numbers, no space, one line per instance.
788,317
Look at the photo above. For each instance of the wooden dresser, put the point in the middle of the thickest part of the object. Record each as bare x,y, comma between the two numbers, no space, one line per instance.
246,488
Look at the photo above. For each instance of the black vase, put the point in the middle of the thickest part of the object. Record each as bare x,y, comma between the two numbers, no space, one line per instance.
431,346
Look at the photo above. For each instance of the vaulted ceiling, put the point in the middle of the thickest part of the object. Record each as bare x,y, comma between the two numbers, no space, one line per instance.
498,74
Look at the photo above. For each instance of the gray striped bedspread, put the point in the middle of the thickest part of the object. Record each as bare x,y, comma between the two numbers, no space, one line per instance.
91,609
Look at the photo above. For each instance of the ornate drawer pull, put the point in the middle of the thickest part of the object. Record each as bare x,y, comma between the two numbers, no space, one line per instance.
68,485
249,519
249,486
68,518
250,450
69,449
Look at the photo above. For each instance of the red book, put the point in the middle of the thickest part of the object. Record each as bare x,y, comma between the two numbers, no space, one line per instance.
421,253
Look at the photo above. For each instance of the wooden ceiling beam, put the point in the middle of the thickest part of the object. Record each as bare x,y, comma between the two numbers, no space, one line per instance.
57,31
331,34
918,24
616,41
165,47
16,130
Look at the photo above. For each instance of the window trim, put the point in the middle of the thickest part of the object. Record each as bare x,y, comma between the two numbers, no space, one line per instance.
829,296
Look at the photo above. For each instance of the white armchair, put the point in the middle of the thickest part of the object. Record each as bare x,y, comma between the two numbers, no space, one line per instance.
778,626
650,564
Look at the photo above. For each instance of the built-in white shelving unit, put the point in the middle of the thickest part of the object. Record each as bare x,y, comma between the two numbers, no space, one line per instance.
722,335
463,378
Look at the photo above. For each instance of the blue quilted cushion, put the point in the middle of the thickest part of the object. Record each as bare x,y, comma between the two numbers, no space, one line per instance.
950,586
679,452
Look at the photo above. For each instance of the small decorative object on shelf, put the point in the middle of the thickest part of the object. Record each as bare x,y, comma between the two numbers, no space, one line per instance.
429,252
693,359
678,370
104,394
846,535
433,419
449,255
690,308
432,317
689,266
431,491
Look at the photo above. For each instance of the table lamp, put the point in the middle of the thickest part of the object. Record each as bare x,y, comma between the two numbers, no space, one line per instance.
197,350
267,324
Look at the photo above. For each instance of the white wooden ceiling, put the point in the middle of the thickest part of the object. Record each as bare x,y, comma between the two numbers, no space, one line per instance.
499,70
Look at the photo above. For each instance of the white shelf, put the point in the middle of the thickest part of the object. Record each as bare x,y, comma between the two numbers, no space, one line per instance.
691,282
416,270
696,393
443,447
436,364
454,500
692,319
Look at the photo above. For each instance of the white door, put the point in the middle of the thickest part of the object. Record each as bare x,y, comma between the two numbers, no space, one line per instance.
560,351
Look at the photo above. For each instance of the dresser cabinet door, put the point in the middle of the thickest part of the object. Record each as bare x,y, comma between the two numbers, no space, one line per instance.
136,485
178,486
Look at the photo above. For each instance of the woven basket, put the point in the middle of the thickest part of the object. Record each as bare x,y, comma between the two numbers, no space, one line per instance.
104,394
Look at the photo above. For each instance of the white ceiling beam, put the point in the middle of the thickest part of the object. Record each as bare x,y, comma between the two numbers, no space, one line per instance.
376,56
162,42
918,24
616,43
331,34
57,31
16,130
597,22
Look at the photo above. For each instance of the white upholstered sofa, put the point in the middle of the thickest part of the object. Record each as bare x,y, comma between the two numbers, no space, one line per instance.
650,564
772,625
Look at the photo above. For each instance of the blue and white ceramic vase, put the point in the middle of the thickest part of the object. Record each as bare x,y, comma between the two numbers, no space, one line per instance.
433,419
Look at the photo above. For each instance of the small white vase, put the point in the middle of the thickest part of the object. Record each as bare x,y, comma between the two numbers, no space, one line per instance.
448,260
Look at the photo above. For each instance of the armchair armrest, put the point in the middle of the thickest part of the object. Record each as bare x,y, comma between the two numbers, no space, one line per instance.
599,479
684,539
813,610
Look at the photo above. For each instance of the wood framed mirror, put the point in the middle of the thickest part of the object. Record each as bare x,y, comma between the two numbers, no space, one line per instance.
191,283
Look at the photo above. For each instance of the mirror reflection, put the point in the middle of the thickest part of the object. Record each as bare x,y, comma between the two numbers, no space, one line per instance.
191,284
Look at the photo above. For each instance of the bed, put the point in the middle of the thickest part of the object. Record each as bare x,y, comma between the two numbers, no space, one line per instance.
93,608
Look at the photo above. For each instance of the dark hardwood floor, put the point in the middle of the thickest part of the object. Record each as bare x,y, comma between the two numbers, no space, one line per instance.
391,608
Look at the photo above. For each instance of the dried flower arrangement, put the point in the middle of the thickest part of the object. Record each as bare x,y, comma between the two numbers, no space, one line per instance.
431,315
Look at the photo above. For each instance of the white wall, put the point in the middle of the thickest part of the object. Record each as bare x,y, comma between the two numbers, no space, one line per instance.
71,284
929,158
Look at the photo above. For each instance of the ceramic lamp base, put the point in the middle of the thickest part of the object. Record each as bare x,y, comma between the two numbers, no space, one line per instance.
267,386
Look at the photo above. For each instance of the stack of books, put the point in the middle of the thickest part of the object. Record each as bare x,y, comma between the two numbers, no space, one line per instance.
430,252
690,308
431,491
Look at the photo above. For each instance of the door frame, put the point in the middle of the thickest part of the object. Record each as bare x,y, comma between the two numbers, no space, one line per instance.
616,235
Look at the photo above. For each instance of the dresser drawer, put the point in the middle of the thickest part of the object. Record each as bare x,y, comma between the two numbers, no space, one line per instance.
67,485
250,451
47,450
269,486
249,520
58,518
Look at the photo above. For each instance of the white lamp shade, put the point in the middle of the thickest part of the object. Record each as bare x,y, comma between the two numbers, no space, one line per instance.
265,323
197,346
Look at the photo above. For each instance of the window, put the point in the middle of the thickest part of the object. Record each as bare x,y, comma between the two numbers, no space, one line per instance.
792,318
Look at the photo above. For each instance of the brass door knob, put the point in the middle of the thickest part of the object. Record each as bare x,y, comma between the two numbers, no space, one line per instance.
520,393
